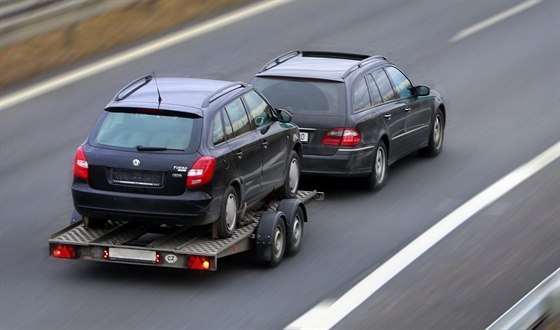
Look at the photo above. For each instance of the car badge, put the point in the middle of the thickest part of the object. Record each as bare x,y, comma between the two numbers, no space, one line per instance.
136,162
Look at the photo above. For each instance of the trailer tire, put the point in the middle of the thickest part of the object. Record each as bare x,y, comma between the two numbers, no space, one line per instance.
229,208
296,216
271,238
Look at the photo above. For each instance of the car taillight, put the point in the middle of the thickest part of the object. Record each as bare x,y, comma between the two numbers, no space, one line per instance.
201,172
64,251
342,137
198,262
80,164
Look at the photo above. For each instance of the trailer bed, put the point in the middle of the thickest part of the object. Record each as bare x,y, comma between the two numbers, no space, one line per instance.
176,246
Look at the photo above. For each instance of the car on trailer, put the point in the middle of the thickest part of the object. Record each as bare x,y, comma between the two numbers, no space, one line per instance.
357,113
182,151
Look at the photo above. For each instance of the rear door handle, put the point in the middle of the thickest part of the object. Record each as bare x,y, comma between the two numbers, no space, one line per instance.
387,116
239,154
407,109
265,144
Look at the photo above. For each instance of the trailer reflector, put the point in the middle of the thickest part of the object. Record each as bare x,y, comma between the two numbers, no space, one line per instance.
198,262
64,251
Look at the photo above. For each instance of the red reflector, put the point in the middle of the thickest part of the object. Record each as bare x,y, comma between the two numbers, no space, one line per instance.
80,164
342,137
198,262
64,251
201,171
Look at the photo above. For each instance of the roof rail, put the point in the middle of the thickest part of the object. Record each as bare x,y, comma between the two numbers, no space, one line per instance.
222,91
280,59
361,63
345,56
140,82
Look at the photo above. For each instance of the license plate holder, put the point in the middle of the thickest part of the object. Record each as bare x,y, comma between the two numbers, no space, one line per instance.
137,178
132,255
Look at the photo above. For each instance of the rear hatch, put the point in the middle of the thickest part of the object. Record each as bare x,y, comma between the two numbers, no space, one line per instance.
143,151
317,106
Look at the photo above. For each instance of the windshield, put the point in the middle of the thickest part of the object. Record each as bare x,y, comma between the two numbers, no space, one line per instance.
301,96
144,130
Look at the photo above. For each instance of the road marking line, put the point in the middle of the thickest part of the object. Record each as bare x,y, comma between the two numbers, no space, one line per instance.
327,314
137,52
494,19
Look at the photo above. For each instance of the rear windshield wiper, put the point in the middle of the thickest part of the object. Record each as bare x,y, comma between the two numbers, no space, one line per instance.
142,148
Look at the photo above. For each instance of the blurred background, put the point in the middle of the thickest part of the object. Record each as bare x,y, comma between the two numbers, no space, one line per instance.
496,62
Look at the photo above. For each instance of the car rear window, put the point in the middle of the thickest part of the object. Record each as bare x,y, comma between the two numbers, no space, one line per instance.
130,128
302,96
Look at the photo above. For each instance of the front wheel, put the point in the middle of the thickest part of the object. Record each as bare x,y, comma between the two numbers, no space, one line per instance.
228,214
435,142
293,172
378,176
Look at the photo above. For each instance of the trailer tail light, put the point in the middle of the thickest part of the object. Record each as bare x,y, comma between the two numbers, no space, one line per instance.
342,137
80,164
198,262
201,171
64,251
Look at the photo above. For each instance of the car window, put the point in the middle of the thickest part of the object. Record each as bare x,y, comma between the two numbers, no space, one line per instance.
227,124
218,135
259,109
374,91
403,86
361,95
238,117
301,96
383,84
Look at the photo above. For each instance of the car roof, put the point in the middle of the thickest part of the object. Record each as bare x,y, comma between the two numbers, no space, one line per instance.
316,65
177,94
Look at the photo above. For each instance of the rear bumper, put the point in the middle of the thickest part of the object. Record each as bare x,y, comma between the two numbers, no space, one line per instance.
345,162
190,208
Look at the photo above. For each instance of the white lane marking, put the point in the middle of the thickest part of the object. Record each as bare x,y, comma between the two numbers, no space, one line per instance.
327,315
137,52
494,19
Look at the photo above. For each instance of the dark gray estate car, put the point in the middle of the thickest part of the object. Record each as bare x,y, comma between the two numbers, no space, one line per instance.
357,113
185,151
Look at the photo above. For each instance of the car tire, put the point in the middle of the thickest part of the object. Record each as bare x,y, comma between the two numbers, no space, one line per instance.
229,207
293,173
435,142
378,177
295,238
94,223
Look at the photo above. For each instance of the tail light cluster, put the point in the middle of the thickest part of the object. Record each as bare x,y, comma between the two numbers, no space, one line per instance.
342,137
64,251
201,172
81,164
198,262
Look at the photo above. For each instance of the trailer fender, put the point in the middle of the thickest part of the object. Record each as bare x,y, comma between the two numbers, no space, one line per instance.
265,237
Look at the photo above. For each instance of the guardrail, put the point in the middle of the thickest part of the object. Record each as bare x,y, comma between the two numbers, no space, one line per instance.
21,19
543,302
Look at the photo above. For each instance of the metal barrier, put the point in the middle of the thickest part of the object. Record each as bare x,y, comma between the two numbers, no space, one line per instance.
543,302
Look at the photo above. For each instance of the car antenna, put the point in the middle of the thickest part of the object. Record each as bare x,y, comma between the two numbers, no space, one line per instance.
157,88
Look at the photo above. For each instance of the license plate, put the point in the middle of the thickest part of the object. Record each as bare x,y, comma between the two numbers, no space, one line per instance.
304,137
137,178
131,254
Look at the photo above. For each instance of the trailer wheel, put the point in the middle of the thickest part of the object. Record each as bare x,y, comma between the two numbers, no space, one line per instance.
271,238
296,217
228,213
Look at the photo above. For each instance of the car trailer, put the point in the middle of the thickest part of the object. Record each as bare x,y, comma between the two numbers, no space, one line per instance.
273,228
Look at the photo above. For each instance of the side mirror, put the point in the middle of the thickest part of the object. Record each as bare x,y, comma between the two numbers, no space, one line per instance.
284,116
422,90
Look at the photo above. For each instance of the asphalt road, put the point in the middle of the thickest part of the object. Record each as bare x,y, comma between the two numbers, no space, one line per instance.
501,86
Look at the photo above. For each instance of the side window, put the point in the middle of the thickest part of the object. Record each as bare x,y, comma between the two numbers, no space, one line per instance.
374,91
218,129
403,86
383,84
361,95
227,124
238,117
259,109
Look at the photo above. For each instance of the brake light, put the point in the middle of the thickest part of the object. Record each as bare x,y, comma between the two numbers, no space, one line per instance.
201,171
64,251
342,137
198,262
80,164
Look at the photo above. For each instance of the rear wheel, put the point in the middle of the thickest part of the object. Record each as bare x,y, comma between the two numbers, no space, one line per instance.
378,176
228,213
278,244
435,142
293,172
296,233
94,223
